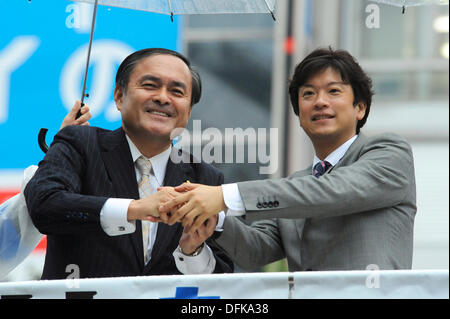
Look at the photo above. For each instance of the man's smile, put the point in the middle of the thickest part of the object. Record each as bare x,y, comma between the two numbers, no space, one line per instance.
321,116
158,112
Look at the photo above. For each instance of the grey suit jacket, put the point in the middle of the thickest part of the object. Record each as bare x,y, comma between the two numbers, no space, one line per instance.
361,212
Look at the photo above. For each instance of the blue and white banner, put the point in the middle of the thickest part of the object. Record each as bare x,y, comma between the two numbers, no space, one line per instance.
43,49
223,286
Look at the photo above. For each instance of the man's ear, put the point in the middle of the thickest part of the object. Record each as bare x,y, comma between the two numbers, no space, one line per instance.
118,97
361,110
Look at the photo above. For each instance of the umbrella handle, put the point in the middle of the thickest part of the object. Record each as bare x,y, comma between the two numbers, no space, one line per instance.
82,104
41,140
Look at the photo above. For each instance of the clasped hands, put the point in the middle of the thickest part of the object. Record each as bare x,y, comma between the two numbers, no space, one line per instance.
196,206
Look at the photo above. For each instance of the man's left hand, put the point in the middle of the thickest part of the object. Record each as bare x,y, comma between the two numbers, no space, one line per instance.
189,242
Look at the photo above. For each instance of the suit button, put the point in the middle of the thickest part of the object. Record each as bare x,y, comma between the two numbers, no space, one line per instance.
276,203
270,205
259,205
265,205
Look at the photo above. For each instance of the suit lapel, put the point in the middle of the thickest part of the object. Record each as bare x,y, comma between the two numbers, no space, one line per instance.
119,165
176,174
349,157
352,153
120,168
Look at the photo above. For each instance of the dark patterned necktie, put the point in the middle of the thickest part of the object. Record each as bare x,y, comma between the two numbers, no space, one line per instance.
320,168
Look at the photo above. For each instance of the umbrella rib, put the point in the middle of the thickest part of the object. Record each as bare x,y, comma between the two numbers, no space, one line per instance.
89,52
270,10
170,10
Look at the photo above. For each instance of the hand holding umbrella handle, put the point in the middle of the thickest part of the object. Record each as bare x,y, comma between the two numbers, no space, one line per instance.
82,104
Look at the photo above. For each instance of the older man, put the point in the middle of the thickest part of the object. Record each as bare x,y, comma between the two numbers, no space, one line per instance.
95,188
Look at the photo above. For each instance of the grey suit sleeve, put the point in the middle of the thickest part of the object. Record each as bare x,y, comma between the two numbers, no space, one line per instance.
244,243
379,174
223,262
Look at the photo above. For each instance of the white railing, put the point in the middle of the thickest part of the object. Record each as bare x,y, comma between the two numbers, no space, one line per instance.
399,284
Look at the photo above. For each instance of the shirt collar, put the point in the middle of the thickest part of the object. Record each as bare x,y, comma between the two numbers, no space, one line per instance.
159,162
337,154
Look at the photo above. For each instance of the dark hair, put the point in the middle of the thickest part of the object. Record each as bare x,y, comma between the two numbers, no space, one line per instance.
344,63
127,66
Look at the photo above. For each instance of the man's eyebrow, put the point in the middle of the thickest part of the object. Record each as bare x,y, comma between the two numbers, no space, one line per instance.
179,84
149,78
337,83
328,84
158,80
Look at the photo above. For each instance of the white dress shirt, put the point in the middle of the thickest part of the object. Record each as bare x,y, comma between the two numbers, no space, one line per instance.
337,154
113,217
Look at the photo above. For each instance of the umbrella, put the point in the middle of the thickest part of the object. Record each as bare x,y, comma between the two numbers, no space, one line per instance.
411,3
171,8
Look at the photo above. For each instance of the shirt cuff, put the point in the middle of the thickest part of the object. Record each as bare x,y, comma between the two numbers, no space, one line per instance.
113,217
233,200
220,221
203,263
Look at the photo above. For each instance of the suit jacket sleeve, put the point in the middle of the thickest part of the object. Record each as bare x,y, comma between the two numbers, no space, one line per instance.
223,262
54,195
379,174
245,243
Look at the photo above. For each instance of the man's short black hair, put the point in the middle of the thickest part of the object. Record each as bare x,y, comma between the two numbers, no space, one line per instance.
130,62
344,63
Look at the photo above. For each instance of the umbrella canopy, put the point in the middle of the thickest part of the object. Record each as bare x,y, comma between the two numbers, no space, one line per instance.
411,3
172,7
192,6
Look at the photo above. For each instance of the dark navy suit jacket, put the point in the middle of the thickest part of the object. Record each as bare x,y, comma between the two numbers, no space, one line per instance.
82,169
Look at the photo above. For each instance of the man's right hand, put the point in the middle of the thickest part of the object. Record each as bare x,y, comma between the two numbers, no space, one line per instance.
148,208
194,205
